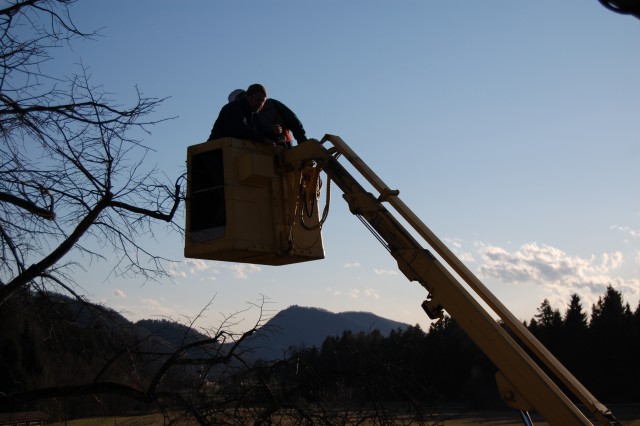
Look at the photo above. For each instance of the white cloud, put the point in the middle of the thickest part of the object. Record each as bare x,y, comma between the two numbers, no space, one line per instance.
197,266
456,246
119,293
175,273
352,264
627,230
371,293
242,270
334,292
155,307
356,293
151,308
210,270
556,271
385,272
542,263
192,268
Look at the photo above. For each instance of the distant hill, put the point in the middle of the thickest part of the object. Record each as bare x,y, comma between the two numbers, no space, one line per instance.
89,337
174,334
293,328
302,327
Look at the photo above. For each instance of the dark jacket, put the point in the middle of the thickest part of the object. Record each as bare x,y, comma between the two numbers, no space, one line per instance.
275,112
236,120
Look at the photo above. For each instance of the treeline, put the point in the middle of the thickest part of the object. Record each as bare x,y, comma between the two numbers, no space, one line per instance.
601,350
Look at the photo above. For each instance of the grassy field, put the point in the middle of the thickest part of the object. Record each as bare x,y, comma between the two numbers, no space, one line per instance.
628,415
156,419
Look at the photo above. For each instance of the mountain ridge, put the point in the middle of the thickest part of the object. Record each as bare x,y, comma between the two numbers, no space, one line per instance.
297,327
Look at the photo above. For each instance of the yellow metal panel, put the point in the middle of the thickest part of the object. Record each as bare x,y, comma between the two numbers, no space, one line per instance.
241,208
254,169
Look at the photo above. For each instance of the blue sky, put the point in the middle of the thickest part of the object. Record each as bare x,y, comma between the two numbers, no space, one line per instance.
510,128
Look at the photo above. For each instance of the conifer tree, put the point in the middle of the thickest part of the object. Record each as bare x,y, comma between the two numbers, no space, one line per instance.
610,336
574,338
549,325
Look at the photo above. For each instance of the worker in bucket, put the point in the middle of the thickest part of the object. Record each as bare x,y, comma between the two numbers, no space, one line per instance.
239,119
276,121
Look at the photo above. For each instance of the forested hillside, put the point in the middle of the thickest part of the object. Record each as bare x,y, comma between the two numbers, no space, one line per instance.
297,328
55,352
601,350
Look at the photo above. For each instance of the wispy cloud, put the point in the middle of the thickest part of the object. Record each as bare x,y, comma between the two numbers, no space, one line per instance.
193,268
242,270
356,293
352,264
385,272
119,293
627,230
209,270
152,308
455,244
466,257
371,293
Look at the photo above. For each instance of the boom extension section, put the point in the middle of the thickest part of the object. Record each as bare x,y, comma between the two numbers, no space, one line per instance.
521,381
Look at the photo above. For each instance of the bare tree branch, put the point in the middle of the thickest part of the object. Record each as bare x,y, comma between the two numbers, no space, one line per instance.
70,170
27,205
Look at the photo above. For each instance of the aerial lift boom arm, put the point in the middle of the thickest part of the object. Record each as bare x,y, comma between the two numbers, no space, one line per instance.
522,382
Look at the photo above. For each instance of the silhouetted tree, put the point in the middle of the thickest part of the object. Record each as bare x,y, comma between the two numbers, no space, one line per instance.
610,333
547,326
635,352
70,169
575,319
74,181
574,344
113,369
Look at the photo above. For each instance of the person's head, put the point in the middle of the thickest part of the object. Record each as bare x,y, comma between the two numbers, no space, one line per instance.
235,94
256,94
